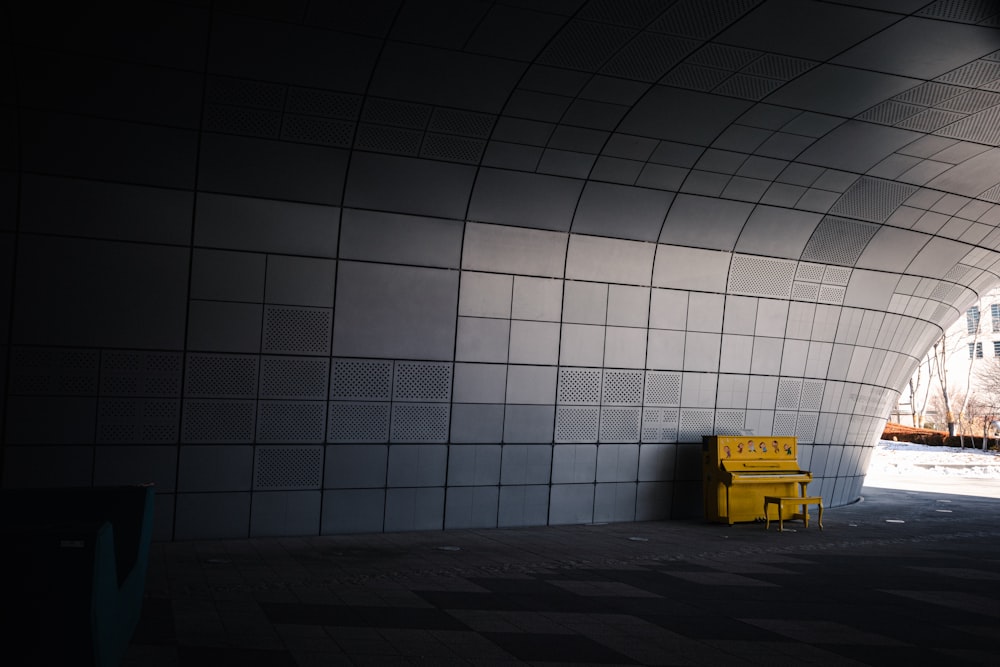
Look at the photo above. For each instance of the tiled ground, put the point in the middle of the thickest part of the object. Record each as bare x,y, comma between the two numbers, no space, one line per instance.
868,590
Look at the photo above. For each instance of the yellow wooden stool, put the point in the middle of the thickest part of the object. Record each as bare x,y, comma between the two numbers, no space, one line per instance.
803,501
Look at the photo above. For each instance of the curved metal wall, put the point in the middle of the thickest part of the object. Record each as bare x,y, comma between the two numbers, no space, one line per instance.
382,266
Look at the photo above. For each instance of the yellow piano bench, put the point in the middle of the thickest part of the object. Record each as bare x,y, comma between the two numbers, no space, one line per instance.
796,501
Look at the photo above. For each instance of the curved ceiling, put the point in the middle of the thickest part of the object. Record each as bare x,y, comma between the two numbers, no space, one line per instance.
843,156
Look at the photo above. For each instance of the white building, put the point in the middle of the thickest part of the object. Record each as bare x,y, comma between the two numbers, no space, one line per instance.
965,350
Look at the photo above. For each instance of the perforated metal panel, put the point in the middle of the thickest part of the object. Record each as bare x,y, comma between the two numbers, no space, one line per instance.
836,275
294,377
759,276
620,424
418,422
788,394
929,94
720,56
630,14
648,57
577,424
695,77
973,75
810,273
422,381
930,120
890,112
730,422
662,388
242,121
287,468
221,375
583,45
313,130
137,373
297,330
805,427
579,386
358,422
218,421
361,379
291,421
315,102
831,294
622,387
784,423
394,112
694,424
963,11
812,394
138,420
659,424
383,139
53,371
971,102
462,123
454,149
982,127
805,291
838,241
701,19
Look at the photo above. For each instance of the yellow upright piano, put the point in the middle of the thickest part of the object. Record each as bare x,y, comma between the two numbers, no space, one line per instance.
740,470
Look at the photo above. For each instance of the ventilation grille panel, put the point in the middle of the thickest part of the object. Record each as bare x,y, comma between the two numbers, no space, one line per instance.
422,381
812,273
701,20
314,102
287,468
576,424
221,376
583,45
462,123
756,276
294,378
805,427
620,424
579,386
659,425
694,424
297,330
622,387
872,199
730,422
454,149
361,380
838,241
788,394
784,423
416,422
358,422
663,388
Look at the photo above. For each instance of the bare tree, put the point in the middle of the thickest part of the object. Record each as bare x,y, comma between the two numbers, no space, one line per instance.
940,367
988,393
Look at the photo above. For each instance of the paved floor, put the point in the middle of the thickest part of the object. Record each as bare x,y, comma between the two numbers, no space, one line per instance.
902,577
